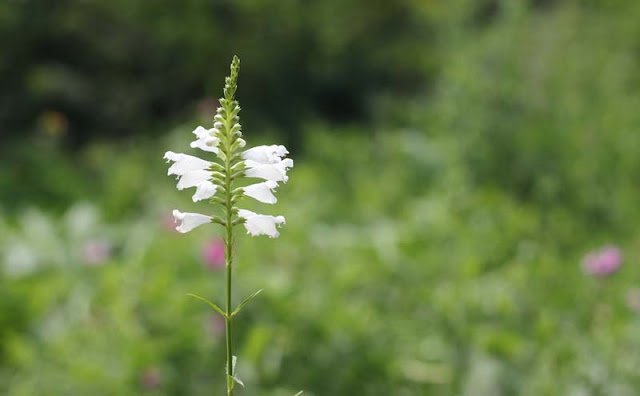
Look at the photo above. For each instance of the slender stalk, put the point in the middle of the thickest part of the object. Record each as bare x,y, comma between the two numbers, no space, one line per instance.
228,262
225,140
229,160
229,266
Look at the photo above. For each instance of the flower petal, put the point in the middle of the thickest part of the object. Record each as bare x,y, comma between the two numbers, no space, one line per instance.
193,178
201,132
205,190
257,224
265,154
208,139
262,192
184,163
189,221
275,172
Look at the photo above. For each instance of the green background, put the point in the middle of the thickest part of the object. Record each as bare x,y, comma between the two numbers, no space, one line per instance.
454,162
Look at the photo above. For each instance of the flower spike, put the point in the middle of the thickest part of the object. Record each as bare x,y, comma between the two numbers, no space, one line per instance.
216,179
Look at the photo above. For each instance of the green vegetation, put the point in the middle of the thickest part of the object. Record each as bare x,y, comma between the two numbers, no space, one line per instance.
434,236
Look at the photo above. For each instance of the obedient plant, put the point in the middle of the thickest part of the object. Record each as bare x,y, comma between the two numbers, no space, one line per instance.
216,180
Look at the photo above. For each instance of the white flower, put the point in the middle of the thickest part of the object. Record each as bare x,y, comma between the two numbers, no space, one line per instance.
262,192
192,172
189,221
193,179
275,172
184,163
204,190
257,224
208,139
265,154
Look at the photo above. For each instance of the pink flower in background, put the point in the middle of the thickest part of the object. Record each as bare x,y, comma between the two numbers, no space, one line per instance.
213,254
151,379
96,252
602,262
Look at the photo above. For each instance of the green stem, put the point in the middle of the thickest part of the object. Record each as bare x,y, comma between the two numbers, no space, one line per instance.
229,257
228,260
227,149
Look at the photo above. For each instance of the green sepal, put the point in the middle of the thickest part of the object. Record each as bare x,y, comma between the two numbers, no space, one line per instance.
216,219
238,167
212,305
237,174
242,304
239,220
236,158
217,167
235,128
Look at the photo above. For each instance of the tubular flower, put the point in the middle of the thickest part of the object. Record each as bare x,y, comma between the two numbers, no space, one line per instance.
208,139
204,190
184,163
214,178
262,192
257,224
265,154
189,221
276,171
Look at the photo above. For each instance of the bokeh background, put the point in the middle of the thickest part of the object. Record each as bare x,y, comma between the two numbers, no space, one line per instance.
462,217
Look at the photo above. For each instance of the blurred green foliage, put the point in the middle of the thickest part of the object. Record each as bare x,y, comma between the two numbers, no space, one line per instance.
121,67
433,238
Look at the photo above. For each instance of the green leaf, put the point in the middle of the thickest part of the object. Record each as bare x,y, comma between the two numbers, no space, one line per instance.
212,305
299,393
246,300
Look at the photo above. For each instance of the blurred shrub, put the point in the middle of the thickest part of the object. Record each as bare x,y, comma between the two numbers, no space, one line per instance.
543,106
396,275
119,67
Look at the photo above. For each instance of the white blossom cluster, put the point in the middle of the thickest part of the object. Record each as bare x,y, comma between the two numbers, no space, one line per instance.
207,177
215,179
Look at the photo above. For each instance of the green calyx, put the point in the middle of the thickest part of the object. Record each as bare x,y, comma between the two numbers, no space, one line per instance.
230,83
227,122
